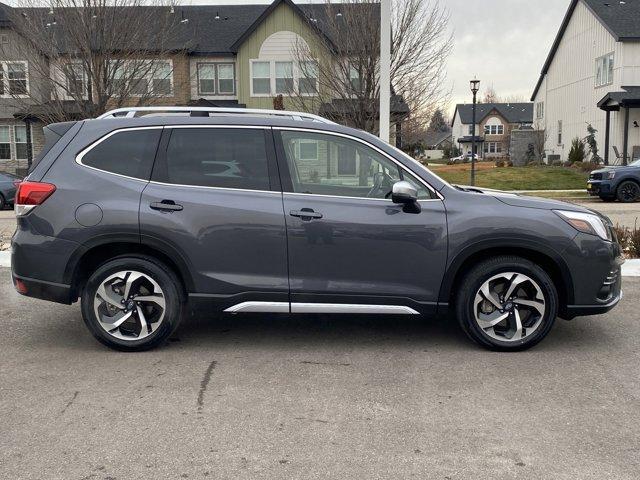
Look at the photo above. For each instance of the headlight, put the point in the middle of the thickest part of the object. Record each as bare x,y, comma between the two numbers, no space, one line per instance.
586,223
610,175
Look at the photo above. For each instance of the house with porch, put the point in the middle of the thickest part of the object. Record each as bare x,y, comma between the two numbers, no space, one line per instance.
592,76
231,56
494,123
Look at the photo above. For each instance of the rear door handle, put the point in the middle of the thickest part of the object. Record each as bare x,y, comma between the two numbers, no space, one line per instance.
305,214
166,206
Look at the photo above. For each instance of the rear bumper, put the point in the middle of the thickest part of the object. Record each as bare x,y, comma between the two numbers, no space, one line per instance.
52,292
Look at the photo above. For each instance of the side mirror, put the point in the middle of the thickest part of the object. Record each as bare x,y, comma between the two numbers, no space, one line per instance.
405,193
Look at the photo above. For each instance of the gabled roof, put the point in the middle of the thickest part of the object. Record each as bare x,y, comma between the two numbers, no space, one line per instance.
620,18
214,29
436,138
511,112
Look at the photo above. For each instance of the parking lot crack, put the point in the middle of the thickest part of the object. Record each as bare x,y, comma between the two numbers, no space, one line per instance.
205,383
70,402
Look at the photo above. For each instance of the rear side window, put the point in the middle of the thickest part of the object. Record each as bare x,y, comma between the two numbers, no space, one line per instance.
216,157
129,153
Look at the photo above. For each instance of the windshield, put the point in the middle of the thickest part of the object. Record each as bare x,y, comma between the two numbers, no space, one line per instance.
418,166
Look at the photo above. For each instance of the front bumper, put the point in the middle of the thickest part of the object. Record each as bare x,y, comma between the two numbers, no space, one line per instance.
600,188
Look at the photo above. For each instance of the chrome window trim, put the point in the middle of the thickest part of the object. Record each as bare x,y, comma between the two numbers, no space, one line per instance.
364,142
86,150
273,192
386,200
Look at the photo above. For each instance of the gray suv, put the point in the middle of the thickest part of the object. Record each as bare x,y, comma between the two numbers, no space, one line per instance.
149,214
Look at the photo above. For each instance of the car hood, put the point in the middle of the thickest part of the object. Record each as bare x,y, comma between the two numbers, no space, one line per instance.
618,168
518,200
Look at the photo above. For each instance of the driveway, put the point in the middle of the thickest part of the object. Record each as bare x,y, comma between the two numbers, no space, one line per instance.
316,398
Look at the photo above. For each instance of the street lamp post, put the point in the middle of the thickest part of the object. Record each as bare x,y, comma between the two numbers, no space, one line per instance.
474,89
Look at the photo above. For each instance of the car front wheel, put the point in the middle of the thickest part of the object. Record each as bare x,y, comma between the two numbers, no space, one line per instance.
132,303
507,303
628,191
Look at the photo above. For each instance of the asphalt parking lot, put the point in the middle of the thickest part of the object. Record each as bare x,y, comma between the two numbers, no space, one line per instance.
316,398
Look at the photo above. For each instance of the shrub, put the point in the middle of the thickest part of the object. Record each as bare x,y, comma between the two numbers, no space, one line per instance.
557,163
577,152
500,163
629,240
509,163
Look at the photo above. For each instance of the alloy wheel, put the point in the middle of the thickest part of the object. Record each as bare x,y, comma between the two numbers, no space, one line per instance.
509,307
629,191
129,305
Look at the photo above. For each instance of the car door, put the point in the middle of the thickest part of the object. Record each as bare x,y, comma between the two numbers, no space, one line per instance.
350,248
215,204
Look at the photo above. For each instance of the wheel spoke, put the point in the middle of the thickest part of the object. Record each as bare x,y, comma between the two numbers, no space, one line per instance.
109,296
490,296
516,280
156,298
538,305
130,279
491,320
112,323
518,335
144,326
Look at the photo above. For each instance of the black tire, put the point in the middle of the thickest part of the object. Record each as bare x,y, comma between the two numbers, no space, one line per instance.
628,192
478,275
608,199
3,202
162,275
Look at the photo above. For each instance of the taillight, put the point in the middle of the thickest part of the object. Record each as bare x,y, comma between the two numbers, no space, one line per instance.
30,194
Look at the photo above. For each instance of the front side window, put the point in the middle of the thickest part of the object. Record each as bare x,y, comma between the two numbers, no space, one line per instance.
216,157
261,78
604,70
324,164
5,143
20,132
128,152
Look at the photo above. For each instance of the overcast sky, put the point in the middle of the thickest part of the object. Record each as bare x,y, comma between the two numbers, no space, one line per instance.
502,42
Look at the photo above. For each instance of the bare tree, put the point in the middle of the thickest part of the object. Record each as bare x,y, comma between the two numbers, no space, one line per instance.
348,74
87,56
490,95
540,140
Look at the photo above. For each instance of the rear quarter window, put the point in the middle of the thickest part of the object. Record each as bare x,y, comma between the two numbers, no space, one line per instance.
127,152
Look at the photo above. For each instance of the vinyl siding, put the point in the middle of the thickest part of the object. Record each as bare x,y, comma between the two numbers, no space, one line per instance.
569,92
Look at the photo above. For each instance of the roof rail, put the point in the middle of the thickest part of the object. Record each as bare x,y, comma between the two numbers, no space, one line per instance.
131,112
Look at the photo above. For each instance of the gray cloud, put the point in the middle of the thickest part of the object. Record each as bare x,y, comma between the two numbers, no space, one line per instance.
502,42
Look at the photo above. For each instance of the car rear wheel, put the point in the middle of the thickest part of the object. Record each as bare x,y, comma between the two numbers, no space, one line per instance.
507,303
132,303
628,191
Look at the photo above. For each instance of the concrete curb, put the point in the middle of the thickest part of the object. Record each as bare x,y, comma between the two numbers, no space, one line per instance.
631,268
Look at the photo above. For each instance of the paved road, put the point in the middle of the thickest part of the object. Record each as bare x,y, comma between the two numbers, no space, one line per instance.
312,398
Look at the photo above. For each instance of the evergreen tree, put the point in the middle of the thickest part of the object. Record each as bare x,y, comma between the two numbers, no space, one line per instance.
438,123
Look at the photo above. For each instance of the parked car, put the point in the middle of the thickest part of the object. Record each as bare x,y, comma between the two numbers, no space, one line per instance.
616,183
464,158
7,189
136,219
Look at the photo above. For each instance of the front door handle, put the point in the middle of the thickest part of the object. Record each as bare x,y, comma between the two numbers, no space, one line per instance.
166,206
305,214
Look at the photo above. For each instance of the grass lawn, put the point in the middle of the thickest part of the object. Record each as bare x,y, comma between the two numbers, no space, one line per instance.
514,178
